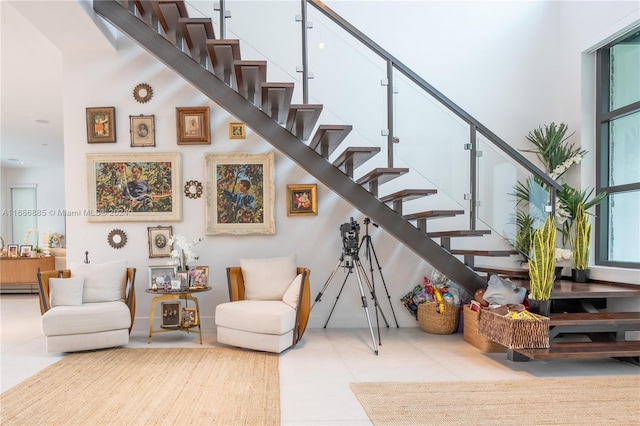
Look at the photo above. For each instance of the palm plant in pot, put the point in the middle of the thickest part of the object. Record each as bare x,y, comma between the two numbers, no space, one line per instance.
580,239
542,264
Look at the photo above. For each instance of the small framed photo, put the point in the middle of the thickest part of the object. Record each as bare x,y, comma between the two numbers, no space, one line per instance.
25,250
101,125
193,126
143,130
159,237
170,314
189,317
183,279
237,131
12,250
200,277
161,276
302,200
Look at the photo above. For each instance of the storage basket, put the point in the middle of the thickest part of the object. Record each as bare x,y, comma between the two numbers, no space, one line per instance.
514,333
431,321
472,336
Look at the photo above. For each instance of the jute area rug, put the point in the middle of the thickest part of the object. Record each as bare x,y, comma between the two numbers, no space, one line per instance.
169,386
548,401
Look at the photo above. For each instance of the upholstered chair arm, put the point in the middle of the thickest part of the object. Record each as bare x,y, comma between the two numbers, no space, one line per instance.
43,286
304,304
236,283
130,298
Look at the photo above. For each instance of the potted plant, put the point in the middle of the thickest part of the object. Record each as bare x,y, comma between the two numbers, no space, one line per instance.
37,252
542,264
580,239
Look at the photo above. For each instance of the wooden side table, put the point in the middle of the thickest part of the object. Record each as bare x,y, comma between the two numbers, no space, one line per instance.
182,295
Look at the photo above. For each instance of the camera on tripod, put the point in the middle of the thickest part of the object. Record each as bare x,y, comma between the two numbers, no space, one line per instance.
350,233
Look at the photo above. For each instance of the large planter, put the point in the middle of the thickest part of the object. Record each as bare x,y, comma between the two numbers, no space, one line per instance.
580,275
540,307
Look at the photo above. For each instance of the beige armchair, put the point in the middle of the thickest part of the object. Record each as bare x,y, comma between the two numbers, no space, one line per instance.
269,307
87,307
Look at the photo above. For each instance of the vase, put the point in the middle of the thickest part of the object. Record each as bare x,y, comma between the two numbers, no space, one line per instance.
580,275
558,273
540,307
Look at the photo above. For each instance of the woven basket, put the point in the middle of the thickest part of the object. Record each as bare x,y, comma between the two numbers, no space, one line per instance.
471,336
514,334
431,321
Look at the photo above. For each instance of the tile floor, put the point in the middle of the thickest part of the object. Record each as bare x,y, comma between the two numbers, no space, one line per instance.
315,375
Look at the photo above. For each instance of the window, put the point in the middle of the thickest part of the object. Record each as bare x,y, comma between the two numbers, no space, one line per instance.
617,232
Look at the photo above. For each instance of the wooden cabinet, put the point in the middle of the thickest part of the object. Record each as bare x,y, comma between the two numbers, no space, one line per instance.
21,271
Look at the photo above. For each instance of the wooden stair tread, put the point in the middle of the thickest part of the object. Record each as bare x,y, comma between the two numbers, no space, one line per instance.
250,75
508,272
565,350
490,253
276,100
459,233
354,156
588,318
223,54
382,175
302,119
408,194
146,12
168,13
328,137
196,32
433,214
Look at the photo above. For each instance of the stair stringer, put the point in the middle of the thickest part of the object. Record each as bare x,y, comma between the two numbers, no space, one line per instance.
305,157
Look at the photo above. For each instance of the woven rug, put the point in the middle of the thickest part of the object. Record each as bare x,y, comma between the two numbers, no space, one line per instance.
170,386
548,401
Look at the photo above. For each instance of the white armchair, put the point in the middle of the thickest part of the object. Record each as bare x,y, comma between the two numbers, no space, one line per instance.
269,307
87,307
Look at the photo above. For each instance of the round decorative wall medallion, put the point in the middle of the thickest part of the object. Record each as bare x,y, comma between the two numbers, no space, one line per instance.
143,93
193,189
117,238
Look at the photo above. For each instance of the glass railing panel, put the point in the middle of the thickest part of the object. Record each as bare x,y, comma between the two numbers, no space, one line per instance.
428,132
510,200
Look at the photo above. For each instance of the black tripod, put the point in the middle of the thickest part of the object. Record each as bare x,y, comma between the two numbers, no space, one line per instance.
352,265
368,250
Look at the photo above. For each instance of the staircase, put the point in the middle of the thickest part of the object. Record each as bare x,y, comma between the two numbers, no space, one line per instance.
217,69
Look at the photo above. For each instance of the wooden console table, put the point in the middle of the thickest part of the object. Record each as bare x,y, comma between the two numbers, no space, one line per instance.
19,273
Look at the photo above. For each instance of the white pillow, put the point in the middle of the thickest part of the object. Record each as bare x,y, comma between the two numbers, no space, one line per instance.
65,291
268,278
105,282
292,295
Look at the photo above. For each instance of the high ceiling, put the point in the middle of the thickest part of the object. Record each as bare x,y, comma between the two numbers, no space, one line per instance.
33,37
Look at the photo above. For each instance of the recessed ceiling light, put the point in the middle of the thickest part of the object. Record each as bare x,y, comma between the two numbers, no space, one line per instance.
44,144
12,159
41,121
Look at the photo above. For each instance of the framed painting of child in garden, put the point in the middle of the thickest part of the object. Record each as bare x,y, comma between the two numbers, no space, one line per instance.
240,194
134,187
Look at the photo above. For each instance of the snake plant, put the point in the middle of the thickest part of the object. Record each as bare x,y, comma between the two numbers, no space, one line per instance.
580,238
542,263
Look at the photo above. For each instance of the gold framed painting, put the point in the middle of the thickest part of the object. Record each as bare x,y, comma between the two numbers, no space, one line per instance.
101,125
240,194
142,129
159,237
193,125
134,187
237,131
302,200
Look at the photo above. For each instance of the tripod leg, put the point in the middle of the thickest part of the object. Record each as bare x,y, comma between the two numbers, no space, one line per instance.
366,311
337,298
326,284
384,284
373,294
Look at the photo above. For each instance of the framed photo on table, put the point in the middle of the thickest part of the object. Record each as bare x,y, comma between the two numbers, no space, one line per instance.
25,249
189,317
143,130
200,276
193,126
302,200
134,187
161,276
240,194
101,125
170,314
159,237
12,250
